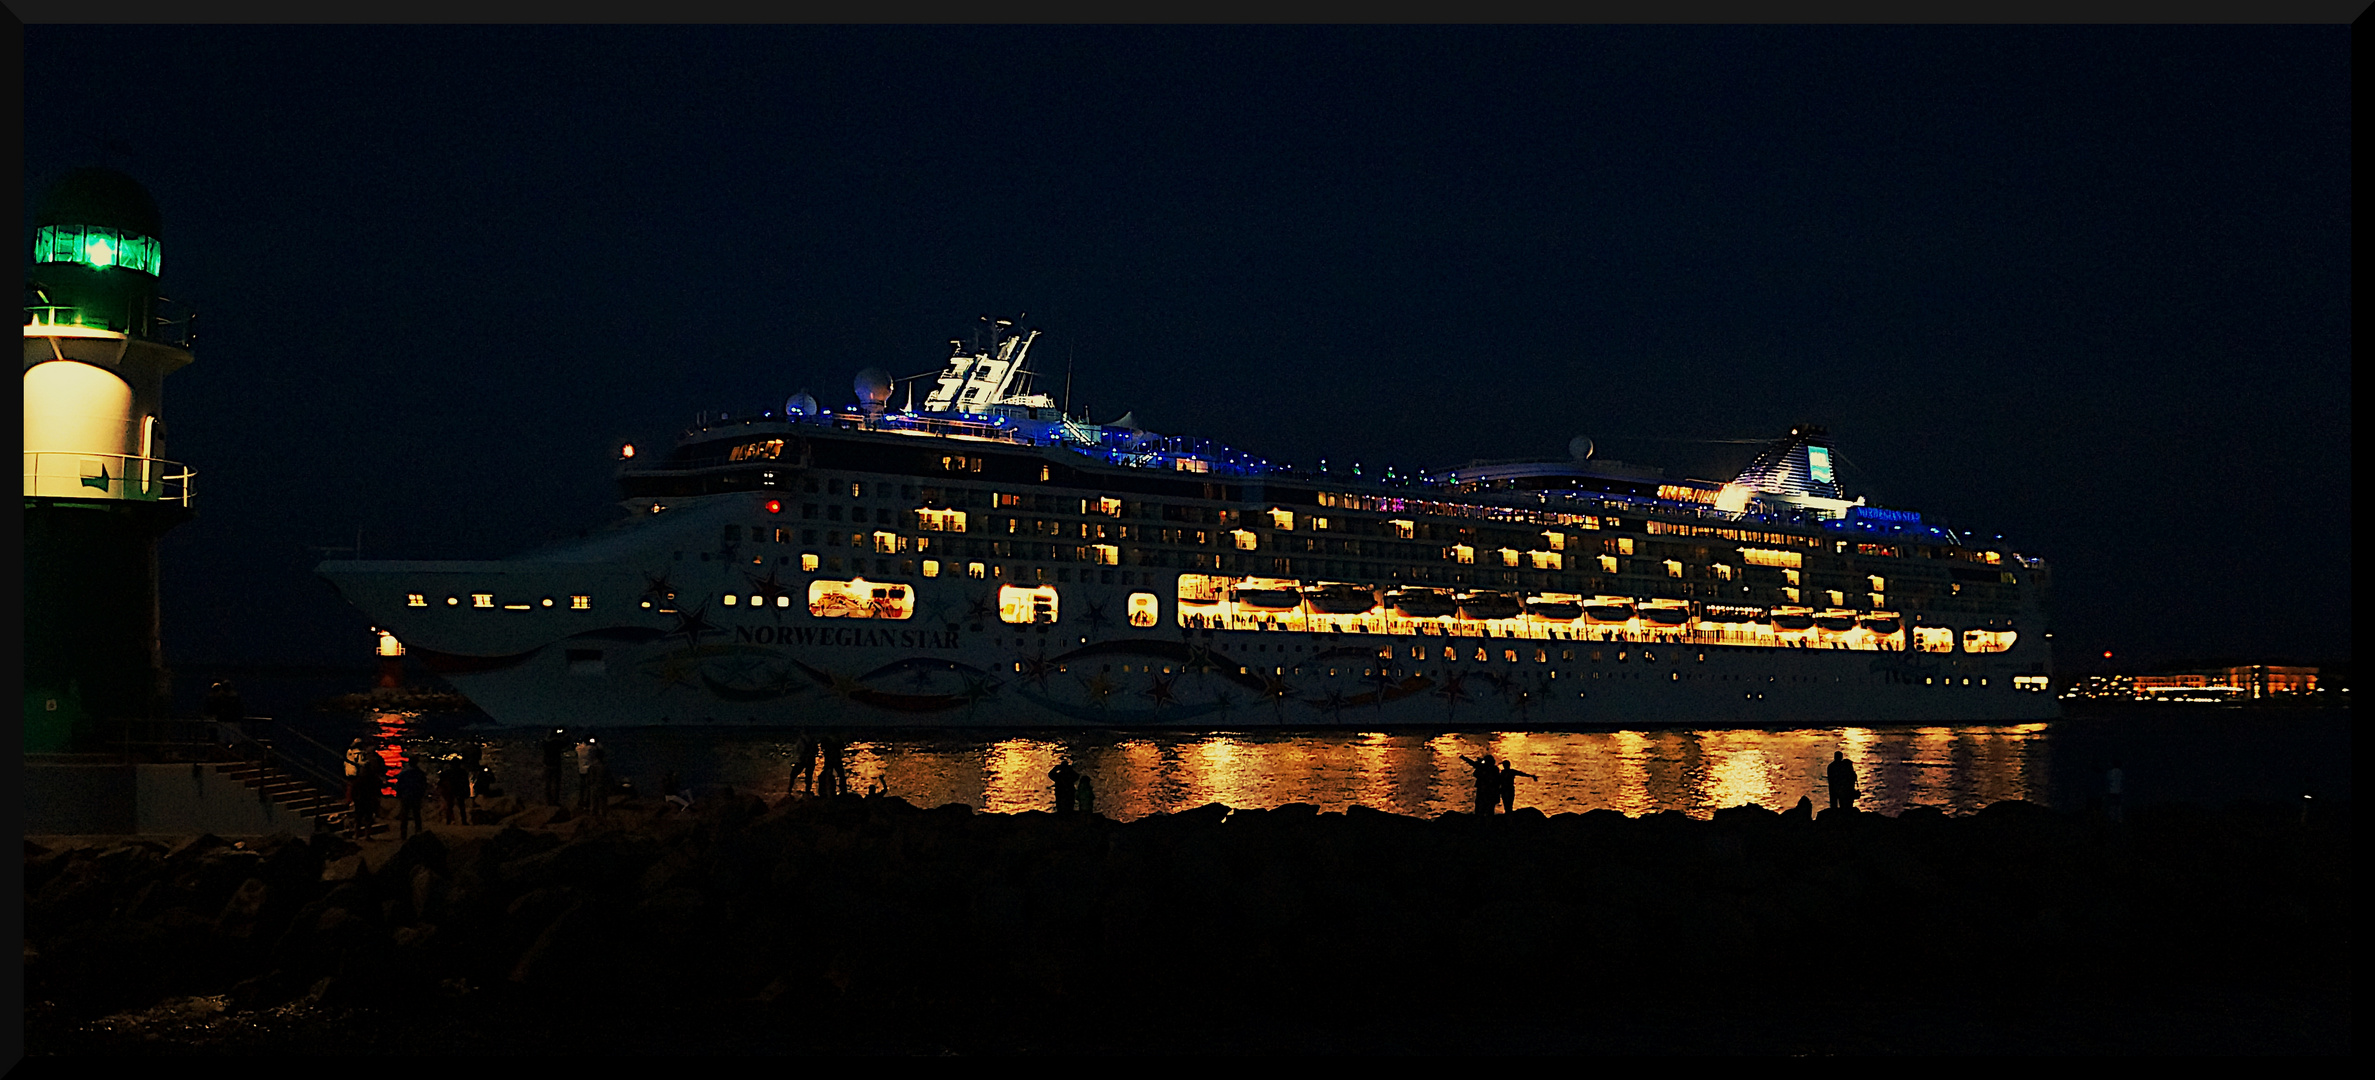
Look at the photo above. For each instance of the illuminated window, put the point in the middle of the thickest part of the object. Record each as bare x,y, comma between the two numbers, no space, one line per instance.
1043,472
1509,656
415,600
1508,557
1933,639
452,600
1556,540
1107,506
1319,523
808,562
1723,572
1462,553
859,599
1624,545
940,520
97,246
1879,600
931,568
1607,564
1768,557
1879,584
783,601
1143,609
1673,568
480,599
1790,594
1022,606
1987,641
1547,560
1404,529
976,570
1245,539
730,599
888,543
1105,554
1282,519
2030,682
1838,599
547,602
1790,576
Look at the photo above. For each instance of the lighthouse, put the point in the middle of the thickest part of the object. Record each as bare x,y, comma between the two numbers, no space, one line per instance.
99,488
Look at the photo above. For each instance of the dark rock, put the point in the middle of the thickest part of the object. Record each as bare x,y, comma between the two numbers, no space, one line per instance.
242,912
537,817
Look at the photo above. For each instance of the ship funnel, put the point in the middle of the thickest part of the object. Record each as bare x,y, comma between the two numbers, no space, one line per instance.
874,389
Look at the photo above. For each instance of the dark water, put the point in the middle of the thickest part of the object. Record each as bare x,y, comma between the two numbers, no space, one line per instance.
2173,753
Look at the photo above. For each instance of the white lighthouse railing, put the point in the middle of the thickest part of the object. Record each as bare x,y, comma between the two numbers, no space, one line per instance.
74,475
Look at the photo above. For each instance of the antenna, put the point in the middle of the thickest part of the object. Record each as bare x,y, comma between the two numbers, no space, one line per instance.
1067,378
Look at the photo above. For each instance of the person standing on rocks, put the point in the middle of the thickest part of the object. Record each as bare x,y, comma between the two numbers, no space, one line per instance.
833,781
453,791
412,786
598,785
803,764
585,769
555,746
1841,778
1488,783
1087,793
1066,782
1508,784
362,789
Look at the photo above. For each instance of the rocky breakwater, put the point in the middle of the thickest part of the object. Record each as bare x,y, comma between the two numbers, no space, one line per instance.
873,924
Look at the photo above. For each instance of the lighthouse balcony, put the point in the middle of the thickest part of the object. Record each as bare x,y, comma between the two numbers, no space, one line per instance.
75,475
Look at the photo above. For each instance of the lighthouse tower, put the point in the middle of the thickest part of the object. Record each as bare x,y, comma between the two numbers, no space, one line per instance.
99,490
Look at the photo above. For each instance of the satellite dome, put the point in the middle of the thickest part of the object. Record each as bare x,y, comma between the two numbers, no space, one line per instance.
800,404
102,197
1579,448
874,388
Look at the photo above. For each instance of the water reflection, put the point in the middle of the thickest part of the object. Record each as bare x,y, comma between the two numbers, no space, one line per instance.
1960,769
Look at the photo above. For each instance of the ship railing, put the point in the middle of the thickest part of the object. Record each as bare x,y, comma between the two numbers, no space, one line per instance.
74,475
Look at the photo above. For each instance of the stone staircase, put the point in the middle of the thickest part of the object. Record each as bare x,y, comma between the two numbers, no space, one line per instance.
288,790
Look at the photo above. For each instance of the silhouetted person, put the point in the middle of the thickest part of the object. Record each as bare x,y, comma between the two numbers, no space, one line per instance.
1841,777
832,780
2115,783
1508,784
362,790
598,785
585,771
1488,783
222,703
453,788
412,786
556,748
1087,794
804,765
1066,782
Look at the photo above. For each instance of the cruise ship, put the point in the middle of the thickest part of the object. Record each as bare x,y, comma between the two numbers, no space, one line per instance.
987,559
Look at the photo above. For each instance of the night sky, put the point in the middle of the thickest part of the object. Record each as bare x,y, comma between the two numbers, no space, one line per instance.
2086,288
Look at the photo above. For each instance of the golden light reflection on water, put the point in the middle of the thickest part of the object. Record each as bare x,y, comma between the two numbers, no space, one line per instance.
1697,772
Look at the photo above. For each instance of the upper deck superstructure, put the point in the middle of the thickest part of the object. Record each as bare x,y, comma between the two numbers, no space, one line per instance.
1011,564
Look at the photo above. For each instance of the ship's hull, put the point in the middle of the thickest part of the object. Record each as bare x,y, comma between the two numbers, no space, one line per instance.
953,665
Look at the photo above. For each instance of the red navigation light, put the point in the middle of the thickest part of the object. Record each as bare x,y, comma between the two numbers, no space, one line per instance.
775,506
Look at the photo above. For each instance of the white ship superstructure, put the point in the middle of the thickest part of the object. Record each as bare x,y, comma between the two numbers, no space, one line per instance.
988,561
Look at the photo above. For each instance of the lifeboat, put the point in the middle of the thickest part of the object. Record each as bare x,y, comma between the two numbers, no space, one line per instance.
1667,614
1422,603
1489,605
1267,599
1554,610
1713,613
1883,623
1792,618
1608,609
1341,599
1836,621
